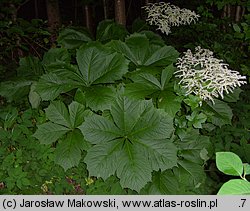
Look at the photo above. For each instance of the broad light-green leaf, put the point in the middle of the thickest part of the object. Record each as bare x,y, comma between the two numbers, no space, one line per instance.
229,163
235,187
126,113
162,153
246,168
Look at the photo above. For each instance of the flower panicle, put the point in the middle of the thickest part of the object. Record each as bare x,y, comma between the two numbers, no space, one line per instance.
165,15
206,76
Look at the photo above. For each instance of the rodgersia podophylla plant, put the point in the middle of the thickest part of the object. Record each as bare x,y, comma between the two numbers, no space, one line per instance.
164,15
206,76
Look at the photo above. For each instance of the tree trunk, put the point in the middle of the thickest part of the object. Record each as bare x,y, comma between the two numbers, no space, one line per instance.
224,13
13,12
88,12
120,16
36,9
53,13
238,15
228,11
75,10
105,9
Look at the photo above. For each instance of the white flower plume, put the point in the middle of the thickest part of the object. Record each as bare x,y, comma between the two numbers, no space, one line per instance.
206,76
164,15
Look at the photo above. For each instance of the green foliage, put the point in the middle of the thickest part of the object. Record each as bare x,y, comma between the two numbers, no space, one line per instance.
111,118
127,137
111,186
132,145
231,164
108,30
28,72
235,138
138,49
20,38
72,38
28,167
64,122
235,187
97,65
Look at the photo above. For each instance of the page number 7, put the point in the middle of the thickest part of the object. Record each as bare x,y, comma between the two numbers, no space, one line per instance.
243,202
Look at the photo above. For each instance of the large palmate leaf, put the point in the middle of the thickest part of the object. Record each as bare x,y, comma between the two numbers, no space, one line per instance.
134,144
194,150
76,112
193,170
49,132
68,152
163,183
72,38
63,126
100,97
192,146
51,85
61,121
146,83
109,30
98,64
138,49
15,90
58,113
169,102
54,55
30,68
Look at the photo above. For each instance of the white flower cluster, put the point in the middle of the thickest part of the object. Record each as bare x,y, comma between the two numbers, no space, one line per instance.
206,76
164,15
